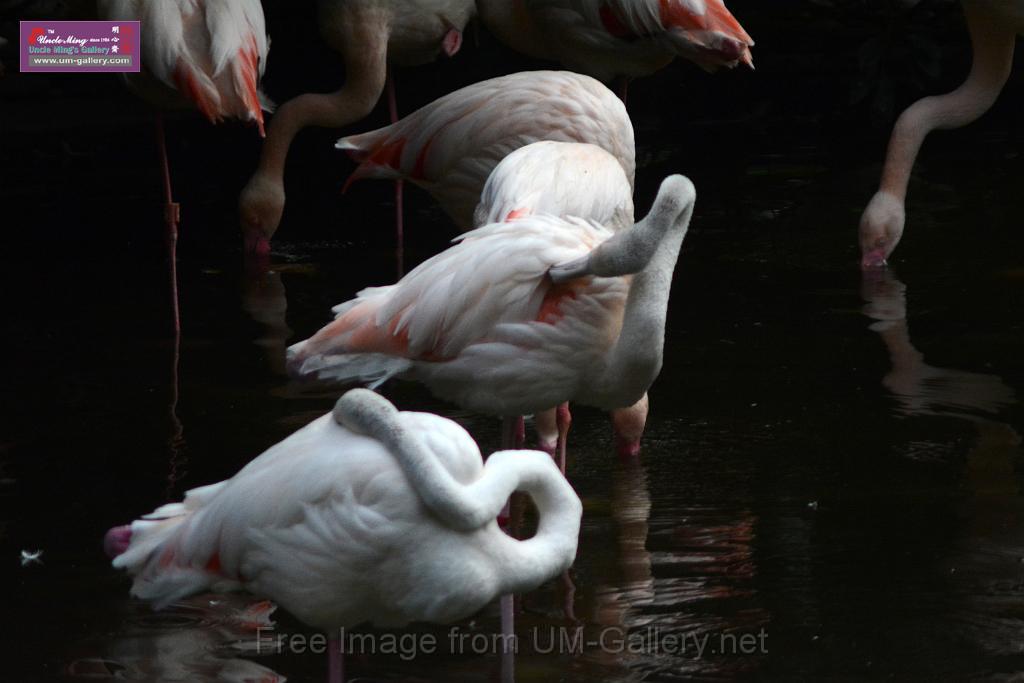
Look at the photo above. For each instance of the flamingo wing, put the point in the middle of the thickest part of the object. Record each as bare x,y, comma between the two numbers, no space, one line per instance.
309,523
492,276
450,146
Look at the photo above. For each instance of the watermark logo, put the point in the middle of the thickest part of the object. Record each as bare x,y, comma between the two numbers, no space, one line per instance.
80,46
559,640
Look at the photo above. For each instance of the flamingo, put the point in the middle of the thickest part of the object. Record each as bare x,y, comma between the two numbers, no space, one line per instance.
206,54
519,317
993,25
451,146
566,179
370,34
628,38
367,514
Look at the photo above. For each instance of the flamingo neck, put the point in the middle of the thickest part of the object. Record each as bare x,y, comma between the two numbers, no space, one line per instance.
521,565
524,565
993,44
362,35
635,360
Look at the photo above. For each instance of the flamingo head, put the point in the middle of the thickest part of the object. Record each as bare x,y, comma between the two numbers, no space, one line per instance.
881,227
628,424
259,209
706,33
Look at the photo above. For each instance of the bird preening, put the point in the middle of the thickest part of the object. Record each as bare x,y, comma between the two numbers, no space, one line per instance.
366,515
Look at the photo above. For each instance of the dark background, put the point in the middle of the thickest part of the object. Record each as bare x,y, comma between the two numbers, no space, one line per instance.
767,322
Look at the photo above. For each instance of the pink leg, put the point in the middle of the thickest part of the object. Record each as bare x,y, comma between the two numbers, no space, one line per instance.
513,433
399,227
335,661
563,418
175,443
568,604
172,214
545,423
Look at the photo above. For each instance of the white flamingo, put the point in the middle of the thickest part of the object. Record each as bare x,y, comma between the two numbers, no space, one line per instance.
451,146
203,54
364,515
608,38
994,25
370,34
519,317
566,179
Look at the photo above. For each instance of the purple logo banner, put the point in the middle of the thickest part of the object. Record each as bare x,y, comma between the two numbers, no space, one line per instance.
80,46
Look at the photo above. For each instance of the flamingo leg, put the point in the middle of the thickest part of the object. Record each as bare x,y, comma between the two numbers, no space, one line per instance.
172,215
513,434
508,630
335,661
563,419
545,423
399,211
568,597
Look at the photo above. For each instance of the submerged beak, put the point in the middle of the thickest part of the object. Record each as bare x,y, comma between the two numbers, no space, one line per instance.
874,258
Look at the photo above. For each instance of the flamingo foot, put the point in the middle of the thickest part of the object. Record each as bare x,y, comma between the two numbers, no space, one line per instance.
117,540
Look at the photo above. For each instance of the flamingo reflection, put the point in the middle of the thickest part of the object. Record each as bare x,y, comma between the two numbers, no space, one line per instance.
199,639
674,592
920,388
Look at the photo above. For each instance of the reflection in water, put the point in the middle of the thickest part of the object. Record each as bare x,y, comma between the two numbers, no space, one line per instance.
631,509
265,300
696,587
197,639
923,389
177,460
984,574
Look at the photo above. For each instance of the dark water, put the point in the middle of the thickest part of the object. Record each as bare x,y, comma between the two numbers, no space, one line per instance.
831,467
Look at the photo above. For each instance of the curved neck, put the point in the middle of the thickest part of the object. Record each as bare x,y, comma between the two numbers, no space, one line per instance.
365,412
364,40
523,565
993,45
635,360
